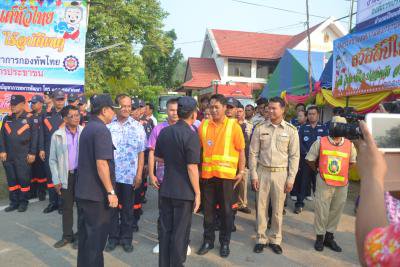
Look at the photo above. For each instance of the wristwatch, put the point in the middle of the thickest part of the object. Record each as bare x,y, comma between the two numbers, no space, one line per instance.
112,193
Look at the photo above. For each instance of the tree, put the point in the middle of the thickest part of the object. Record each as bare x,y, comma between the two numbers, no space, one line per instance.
134,24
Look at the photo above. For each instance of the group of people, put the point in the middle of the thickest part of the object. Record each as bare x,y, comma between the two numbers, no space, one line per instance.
198,160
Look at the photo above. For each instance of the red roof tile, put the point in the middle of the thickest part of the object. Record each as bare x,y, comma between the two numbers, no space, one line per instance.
250,45
203,71
239,89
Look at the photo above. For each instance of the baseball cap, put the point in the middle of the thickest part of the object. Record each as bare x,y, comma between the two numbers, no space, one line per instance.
82,100
135,103
101,101
72,97
16,99
36,98
233,102
58,94
187,103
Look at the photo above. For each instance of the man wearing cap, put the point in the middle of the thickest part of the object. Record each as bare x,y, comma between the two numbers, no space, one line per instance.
332,157
95,183
82,110
48,102
52,121
178,147
73,99
38,181
129,140
223,166
18,148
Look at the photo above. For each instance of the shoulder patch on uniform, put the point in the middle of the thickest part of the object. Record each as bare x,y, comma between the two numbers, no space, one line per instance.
291,125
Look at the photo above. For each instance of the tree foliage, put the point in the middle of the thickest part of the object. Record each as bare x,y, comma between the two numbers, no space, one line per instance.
145,59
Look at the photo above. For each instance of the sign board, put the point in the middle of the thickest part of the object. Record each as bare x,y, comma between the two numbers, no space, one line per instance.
367,61
371,12
42,44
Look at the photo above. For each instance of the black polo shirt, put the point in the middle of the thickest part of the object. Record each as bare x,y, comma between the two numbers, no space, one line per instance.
95,143
179,146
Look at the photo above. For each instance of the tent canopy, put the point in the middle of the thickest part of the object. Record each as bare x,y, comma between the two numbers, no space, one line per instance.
326,77
291,74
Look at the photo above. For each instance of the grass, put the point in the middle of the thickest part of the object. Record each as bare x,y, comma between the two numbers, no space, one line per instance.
3,184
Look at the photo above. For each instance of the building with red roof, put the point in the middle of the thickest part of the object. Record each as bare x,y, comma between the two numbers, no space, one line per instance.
237,61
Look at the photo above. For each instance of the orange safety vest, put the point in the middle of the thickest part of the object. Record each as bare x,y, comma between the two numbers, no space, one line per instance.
334,162
221,158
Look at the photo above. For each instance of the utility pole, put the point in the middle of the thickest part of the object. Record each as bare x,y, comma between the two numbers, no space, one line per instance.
309,50
350,26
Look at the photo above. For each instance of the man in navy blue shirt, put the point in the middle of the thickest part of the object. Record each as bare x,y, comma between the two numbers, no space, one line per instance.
95,183
178,146
308,134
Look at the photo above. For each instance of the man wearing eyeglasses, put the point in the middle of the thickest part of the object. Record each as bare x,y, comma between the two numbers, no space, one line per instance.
63,165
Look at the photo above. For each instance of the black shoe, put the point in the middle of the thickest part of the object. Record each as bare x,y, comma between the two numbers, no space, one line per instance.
144,200
135,228
50,208
269,224
128,248
60,211
298,210
258,248
22,208
284,212
110,246
319,243
75,244
233,228
331,243
42,197
10,208
205,248
276,248
61,243
245,210
224,250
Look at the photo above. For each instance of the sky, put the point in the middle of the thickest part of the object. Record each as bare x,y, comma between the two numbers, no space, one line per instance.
191,18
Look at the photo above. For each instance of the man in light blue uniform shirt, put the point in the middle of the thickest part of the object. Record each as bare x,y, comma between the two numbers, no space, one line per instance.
129,139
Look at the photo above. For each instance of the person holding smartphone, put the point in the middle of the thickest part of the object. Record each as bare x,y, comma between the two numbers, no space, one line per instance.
95,183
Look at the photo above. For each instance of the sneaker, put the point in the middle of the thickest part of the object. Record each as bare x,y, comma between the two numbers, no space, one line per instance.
298,210
310,198
156,249
293,198
189,251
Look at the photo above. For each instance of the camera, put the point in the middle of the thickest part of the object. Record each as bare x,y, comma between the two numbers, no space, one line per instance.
350,130
392,107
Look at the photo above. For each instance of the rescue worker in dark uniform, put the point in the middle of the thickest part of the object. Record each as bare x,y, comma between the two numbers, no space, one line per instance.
82,110
38,179
73,99
18,147
308,134
52,121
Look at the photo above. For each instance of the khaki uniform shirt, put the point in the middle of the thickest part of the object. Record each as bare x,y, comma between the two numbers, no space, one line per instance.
275,146
313,154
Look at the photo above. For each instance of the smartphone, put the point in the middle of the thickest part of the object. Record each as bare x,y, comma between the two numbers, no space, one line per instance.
385,129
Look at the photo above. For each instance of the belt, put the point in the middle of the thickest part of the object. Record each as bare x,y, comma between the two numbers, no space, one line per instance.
275,169
73,171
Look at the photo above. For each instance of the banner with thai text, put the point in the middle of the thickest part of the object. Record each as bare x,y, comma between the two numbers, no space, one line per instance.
42,45
371,12
367,61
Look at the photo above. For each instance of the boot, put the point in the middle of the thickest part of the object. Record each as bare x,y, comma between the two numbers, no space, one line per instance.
319,243
331,243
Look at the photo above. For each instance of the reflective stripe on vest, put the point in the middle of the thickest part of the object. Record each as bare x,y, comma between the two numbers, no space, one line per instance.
222,166
334,162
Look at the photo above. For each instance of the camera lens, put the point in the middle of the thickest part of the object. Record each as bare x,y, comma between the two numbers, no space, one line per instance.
349,131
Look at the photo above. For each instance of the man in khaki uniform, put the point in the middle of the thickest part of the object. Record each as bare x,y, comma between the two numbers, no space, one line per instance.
273,162
331,191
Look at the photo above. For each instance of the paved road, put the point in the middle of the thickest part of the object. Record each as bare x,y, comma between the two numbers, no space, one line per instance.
27,240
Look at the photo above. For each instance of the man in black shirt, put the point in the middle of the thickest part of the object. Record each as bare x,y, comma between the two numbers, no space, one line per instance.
95,183
178,146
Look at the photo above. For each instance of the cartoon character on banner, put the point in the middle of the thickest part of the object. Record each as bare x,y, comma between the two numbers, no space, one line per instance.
340,73
70,25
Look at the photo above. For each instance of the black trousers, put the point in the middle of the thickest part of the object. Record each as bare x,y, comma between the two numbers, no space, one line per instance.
54,198
38,178
122,218
175,222
68,196
217,190
93,230
297,181
305,182
18,174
